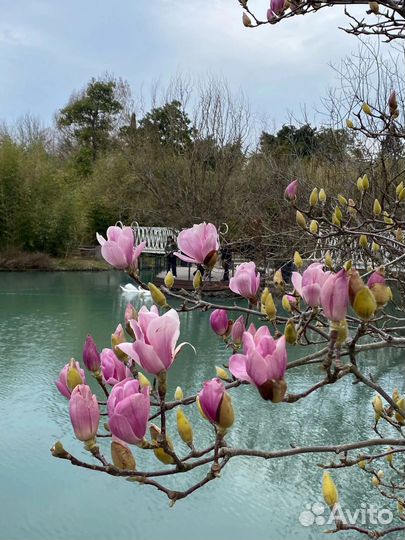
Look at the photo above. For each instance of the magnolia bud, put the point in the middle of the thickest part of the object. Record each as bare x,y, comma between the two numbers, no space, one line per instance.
360,183
314,226
178,394
221,373
399,235
363,241
322,195
351,207
393,104
246,20
169,279
278,279
73,377
378,407
366,183
401,195
399,188
335,219
297,260
375,481
270,307
144,381
338,213
290,332
329,490
226,413
374,7
366,108
400,416
375,247
157,296
300,219
122,456
286,303
342,200
364,304
349,124
328,260
387,218
184,427
377,207
362,464
264,295
313,198
197,281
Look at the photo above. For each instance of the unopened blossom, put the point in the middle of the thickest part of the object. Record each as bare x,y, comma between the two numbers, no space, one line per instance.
84,413
246,281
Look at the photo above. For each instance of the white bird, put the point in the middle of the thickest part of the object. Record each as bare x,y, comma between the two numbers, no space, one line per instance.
132,289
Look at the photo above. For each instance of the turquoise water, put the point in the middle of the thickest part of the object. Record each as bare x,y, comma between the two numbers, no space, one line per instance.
44,319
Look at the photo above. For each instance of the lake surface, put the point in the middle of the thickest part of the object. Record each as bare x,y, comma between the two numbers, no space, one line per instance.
44,319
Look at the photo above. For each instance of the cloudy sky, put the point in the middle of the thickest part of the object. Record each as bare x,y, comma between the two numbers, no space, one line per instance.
48,48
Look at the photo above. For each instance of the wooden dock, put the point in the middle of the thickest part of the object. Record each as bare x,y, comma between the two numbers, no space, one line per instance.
184,280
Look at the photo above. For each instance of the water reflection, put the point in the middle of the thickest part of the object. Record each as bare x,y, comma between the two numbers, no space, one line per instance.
44,319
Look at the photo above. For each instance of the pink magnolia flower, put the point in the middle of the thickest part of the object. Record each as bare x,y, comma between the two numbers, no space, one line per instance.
309,285
118,250
277,6
145,316
128,408
238,328
263,363
219,321
84,413
216,404
91,356
112,368
290,192
335,296
156,337
61,383
376,277
198,244
246,281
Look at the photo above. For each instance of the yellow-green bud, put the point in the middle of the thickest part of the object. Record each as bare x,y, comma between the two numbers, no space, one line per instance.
366,183
351,207
328,260
401,195
399,188
338,213
313,198
314,226
221,373
270,307
300,219
360,183
329,490
377,207
169,279
335,220
278,279
366,108
374,7
378,407
157,296
178,394
375,481
375,247
387,218
264,295
322,195
73,377
362,464
348,264
197,281
143,380
290,332
364,304
342,200
298,260
349,124
400,416
363,241
226,413
286,303
184,427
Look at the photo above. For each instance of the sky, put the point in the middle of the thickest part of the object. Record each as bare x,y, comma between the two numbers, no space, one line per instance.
48,48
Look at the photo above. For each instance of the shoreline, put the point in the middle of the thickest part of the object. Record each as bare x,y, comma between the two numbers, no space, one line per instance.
41,262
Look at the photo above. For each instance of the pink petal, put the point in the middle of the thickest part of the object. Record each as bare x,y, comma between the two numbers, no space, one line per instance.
237,366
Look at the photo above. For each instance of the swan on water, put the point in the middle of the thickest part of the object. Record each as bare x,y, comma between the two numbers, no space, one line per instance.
132,289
